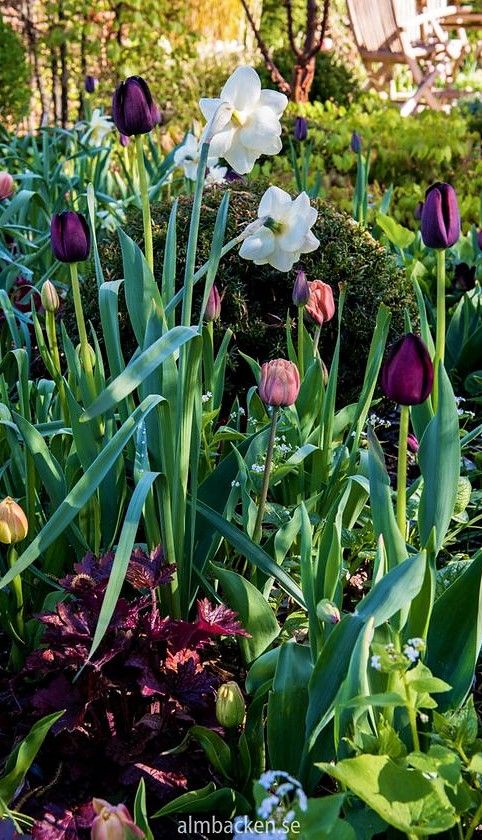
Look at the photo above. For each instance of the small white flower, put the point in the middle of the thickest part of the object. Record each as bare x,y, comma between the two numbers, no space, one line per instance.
411,653
216,175
188,156
375,662
98,128
244,122
235,484
417,642
257,468
206,397
423,717
289,234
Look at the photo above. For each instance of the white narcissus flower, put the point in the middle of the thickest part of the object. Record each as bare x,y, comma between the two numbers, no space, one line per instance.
98,129
287,232
246,119
216,175
188,156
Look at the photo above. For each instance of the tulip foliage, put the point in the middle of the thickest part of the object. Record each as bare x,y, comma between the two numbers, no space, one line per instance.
272,507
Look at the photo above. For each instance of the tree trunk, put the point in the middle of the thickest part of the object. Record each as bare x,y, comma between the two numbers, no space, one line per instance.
303,75
64,73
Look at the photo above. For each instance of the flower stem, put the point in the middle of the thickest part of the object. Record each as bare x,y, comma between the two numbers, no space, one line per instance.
301,359
54,349
84,343
402,470
267,469
316,339
146,208
440,334
412,716
474,823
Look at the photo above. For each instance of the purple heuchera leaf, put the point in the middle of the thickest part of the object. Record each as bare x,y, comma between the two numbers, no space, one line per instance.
63,824
211,621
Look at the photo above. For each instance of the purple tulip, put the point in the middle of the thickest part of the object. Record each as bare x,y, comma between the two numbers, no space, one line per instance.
356,143
301,129
440,217
407,375
413,443
301,290
479,239
133,108
418,211
69,237
464,276
90,84
213,306
124,140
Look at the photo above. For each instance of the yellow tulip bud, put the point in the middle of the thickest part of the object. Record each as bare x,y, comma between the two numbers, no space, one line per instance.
230,705
13,522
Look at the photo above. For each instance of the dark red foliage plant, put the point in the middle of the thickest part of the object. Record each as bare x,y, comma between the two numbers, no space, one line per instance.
126,710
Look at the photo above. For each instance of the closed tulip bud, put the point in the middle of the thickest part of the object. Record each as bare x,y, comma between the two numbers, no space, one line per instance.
413,443
418,211
124,140
69,237
49,297
90,84
13,522
327,611
279,383
230,705
301,290
464,490
6,185
301,129
356,143
407,375
321,304
91,352
113,822
133,108
440,217
213,306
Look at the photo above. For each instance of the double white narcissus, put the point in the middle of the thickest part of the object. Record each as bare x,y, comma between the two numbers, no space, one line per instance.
245,120
286,233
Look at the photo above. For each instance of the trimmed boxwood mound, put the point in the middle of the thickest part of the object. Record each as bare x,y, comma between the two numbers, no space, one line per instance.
257,298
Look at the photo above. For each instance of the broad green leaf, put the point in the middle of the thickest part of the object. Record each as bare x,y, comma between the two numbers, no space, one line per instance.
208,800
23,755
397,234
403,797
140,810
287,706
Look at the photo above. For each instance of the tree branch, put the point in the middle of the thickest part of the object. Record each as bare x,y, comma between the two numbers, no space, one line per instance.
275,73
291,34
324,24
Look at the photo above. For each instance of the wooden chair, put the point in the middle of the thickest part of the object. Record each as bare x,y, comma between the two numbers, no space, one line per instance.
391,32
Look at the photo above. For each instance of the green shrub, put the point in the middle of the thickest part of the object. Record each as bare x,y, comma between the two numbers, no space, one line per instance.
14,75
257,298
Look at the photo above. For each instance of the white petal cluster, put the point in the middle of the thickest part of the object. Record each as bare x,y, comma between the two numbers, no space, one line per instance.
245,120
187,156
288,234
98,128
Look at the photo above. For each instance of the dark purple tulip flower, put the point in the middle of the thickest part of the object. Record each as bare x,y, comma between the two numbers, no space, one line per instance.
464,276
90,84
300,129
418,211
407,375
479,239
301,290
213,306
356,143
133,108
440,217
69,237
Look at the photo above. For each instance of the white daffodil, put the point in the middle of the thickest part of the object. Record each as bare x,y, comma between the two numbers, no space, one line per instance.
216,175
286,233
98,129
246,120
188,156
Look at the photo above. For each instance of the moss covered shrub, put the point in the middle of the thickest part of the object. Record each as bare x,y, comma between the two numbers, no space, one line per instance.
257,298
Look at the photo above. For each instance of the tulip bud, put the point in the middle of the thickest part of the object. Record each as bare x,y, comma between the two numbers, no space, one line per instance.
90,84
407,375
113,822
413,443
356,143
49,297
440,217
279,383
301,290
69,237
13,522
464,490
417,213
230,705
327,611
213,306
124,140
90,350
301,129
321,304
479,239
6,185
133,108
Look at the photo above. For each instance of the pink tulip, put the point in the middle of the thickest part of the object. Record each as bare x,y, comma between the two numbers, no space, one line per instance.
279,384
113,822
321,304
6,185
